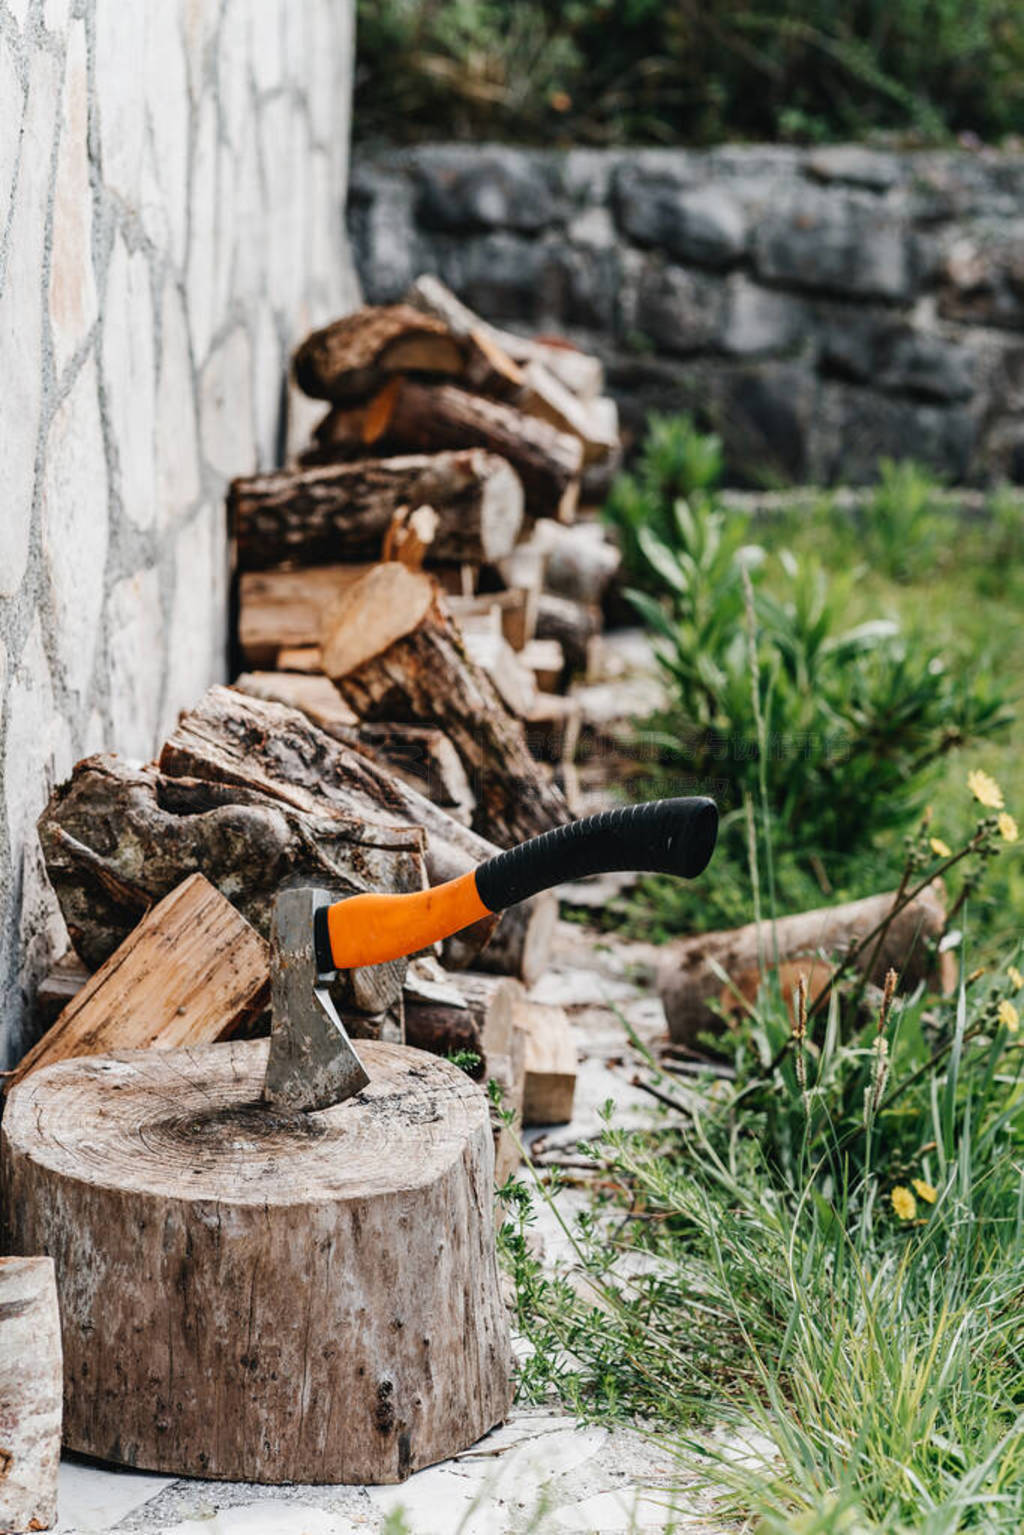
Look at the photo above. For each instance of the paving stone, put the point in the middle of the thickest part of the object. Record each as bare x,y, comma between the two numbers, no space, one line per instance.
225,406
202,244
269,370
857,165
21,315
676,309
197,637
382,231
177,441
702,224
135,647
75,527
12,102
129,372
469,187
91,1500
757,321
233,77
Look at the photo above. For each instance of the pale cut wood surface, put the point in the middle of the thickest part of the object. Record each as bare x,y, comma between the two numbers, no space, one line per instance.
282,609
549,1085
257,1296
193,971
372,614
31,1383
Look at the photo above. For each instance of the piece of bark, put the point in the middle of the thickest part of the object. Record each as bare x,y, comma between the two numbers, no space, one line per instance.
253,1296
117,838
341,512
56,989
572,624
411,417
281,609
192,972
232,739
550,1064
545,396
31,1393
579,371
424,674
349,358
688,985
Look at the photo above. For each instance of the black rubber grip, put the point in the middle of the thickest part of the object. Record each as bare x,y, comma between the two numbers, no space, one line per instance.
665,836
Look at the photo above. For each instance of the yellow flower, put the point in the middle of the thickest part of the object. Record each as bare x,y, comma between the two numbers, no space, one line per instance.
1008,1015
1008,827
940,848
1015,976
924,1191
985,789
904,1203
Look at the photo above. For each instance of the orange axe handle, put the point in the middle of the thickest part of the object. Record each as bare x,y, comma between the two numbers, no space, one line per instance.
669,836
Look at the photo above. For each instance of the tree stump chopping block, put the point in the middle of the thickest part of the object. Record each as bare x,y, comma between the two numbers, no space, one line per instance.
254,1296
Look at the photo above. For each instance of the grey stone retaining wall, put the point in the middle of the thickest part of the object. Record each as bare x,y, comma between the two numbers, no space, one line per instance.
171,174
820,307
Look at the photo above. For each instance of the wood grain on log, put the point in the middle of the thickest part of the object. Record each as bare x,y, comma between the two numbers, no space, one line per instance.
258,1296
31,1390
426,675
232,739
281,609
545,396
478,1018
192,972
118,838
420,418
688,984
341,512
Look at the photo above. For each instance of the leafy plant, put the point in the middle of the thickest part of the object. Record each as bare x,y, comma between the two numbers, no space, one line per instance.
901,520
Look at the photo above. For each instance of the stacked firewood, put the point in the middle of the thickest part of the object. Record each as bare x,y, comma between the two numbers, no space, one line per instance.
420,582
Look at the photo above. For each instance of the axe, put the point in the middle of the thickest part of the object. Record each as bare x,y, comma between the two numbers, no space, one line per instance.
312,1063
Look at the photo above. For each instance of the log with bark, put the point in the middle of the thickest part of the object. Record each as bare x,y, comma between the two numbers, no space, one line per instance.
811,942
476,1014
411,417
31,1390
192,972
545,396
351,357
263,1297
419,755
341,512
394,654
117,838
520,945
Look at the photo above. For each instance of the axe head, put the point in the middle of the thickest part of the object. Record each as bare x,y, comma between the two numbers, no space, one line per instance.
312,1063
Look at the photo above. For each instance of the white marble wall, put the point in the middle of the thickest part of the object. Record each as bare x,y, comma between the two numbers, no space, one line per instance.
172,176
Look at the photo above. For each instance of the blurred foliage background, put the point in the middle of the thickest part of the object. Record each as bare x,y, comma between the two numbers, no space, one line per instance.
690,72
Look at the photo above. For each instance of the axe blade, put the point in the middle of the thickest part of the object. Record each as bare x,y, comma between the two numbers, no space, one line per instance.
312,1063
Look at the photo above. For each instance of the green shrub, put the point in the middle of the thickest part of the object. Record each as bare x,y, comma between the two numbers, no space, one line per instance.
856,716
621,71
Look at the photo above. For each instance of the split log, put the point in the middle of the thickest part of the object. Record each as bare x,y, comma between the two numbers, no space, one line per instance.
348,359
192,972
422,757
281,609
516,610
118,838
521,943
545,396
341,512
231,739
57,989
215,1337
579,371
31,1392
577,562
546,660
550,1063
394,653
409,417
477,1015
572,624
809,941
513,680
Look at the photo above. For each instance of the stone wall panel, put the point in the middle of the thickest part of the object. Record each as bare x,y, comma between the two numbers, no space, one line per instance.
171,180
875,282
